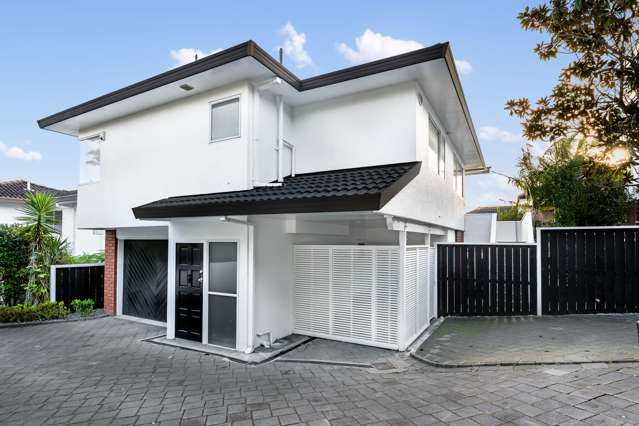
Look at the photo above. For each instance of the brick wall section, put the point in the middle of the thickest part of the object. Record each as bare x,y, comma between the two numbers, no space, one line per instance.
110,271
459,236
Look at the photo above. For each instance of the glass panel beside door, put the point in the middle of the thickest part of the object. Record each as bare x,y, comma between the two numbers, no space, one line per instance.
222,293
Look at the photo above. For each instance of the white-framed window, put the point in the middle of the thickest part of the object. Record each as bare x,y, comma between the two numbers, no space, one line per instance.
436,150
458,177
441,156
433,146
90,159
57,226
225,119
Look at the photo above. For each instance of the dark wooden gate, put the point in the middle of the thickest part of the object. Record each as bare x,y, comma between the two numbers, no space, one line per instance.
486,279
589,270
79,282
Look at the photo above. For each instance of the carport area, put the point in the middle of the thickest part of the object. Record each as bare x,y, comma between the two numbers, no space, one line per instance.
475,341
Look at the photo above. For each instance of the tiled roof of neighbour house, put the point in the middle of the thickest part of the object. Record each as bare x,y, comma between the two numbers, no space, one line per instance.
357,189
489,209
16,189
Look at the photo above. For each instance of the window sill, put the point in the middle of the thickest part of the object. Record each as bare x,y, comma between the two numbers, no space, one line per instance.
225,139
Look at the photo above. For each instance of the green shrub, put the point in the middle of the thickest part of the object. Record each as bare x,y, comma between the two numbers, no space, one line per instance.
14,259
87,258
25,313
508,214
84,307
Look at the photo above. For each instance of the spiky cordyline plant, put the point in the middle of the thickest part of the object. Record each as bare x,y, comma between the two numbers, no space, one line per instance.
38,218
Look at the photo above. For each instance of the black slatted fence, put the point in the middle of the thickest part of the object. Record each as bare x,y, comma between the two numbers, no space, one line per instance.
486,279
79,282
589,270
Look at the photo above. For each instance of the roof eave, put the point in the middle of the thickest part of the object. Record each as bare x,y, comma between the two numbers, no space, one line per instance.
454,75
240,51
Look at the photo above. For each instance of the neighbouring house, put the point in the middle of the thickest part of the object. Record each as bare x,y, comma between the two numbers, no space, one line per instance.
242,204
482,225
80,241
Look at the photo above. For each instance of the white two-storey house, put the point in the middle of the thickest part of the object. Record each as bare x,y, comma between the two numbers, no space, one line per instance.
242,204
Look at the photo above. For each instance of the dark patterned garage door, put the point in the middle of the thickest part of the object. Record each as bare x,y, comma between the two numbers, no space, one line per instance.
145,278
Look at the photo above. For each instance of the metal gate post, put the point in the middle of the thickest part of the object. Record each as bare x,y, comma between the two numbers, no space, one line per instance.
539,280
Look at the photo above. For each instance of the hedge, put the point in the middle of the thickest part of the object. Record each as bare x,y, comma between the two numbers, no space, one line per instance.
25,313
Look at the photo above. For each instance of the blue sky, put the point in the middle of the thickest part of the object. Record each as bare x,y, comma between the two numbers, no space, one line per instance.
58,54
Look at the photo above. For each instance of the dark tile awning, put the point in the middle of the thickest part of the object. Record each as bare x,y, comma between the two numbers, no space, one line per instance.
359,189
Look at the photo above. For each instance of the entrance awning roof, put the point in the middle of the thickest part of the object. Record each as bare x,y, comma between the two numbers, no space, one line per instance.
357,189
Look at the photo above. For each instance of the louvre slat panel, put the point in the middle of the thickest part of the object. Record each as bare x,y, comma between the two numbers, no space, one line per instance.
418,287
386,296
410,291
312,290
348,293
423,302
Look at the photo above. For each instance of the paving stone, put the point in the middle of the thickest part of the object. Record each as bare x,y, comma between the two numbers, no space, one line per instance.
551,339
129,381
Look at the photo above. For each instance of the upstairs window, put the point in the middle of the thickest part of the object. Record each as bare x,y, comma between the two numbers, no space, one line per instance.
225,119
90,159
433,147
441,157
437,150
57,226
458,178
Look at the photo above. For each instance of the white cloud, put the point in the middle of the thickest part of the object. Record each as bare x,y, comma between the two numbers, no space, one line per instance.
371,46
293,46
463,66
490,133
185,55
18,153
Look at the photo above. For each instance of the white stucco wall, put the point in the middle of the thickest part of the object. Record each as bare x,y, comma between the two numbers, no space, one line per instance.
369,128
9,212
274,277
162,152
478,228
165,151
429,197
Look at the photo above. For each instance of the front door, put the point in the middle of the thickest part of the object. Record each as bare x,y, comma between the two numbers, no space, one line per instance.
188,294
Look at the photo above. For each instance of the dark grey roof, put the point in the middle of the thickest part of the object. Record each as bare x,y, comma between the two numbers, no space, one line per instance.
489,209
17,189
251,49
358,189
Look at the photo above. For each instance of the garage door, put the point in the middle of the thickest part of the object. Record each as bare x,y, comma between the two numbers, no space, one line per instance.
145,279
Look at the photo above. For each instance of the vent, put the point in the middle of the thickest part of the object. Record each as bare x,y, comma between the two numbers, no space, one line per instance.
186,87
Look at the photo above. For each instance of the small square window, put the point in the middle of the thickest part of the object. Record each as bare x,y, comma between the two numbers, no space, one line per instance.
225,119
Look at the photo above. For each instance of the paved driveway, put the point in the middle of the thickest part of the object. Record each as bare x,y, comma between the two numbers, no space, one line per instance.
99,372
533,340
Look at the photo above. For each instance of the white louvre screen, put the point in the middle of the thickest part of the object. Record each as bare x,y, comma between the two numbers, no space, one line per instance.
348,293
419,284
312,293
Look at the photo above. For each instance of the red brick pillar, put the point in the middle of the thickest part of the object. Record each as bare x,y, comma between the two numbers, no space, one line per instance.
110,271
